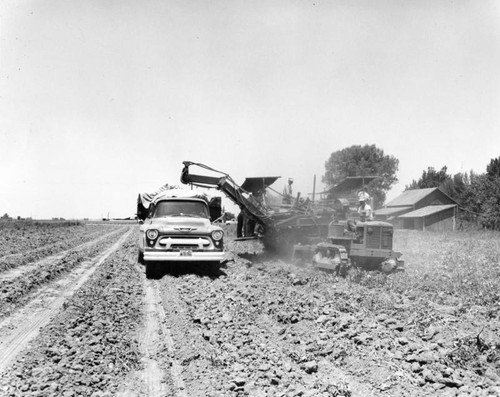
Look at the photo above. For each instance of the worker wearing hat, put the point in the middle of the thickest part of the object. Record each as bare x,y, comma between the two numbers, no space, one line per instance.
363,195
364,210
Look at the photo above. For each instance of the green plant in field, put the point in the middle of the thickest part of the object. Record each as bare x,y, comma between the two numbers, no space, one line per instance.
458,271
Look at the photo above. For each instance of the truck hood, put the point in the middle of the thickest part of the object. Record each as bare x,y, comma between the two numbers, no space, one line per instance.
179,224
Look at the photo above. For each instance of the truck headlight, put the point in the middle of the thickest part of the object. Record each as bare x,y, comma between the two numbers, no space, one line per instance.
152,234
217,235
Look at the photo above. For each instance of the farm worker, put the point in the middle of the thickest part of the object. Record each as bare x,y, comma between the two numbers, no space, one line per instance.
351,225
365,212
363,195
239,225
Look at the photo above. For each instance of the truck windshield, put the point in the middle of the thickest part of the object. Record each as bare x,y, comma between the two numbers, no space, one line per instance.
181,208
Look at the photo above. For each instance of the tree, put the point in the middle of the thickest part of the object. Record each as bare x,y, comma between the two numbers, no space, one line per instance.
430,178
454,186
481,201
360,160
493,169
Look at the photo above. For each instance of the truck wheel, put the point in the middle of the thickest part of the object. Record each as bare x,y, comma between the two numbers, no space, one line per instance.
213,268
342,270
140,257
151,270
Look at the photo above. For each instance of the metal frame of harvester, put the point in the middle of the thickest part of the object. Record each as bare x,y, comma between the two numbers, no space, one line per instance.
310,230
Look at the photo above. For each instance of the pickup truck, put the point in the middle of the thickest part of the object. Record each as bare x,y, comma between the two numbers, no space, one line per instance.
178,228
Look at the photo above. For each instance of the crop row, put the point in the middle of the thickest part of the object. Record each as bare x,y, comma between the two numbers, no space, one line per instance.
14,290
90,346
19,241
24,224
64,242
455,269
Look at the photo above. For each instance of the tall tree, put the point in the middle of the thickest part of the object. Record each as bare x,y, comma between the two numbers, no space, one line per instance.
360,160
430,178
493,168
455,186
481,201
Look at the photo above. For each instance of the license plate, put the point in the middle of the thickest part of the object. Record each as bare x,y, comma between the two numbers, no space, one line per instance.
186,253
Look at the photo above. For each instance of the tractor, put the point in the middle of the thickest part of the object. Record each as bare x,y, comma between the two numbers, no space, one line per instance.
367,245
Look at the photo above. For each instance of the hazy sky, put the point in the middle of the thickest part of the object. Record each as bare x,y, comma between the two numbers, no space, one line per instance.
100,100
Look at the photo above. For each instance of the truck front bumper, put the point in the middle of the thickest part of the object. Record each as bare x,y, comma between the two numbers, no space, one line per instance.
183,256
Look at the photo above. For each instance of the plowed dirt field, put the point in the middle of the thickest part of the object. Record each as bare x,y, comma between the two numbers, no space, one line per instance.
79,318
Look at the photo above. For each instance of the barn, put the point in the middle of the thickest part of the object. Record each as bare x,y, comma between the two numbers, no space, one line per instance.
422,209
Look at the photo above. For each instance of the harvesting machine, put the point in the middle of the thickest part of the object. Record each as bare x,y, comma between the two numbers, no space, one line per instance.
321,231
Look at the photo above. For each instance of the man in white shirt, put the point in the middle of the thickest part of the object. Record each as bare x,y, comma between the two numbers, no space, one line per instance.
365,212
363,195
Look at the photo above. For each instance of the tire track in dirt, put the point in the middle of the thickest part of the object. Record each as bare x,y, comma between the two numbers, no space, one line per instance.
192,359
180,387
152,380
22,326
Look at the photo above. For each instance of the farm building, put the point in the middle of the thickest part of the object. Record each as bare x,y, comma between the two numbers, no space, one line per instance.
420,209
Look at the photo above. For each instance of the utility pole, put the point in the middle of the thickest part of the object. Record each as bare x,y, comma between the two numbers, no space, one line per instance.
314,187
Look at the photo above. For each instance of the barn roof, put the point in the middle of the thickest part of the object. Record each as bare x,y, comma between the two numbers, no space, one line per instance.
426,211
410,197
392,210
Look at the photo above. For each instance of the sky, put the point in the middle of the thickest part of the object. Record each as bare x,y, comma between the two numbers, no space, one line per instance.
103,99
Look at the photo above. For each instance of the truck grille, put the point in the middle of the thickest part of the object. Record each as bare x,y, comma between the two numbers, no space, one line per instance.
179,242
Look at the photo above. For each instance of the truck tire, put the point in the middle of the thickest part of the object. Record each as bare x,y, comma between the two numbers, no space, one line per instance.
151,270
214,268
140,257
